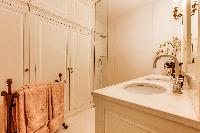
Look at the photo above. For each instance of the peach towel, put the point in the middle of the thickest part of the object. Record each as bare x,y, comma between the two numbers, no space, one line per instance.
56,105
20,113
57,98
18,120
4,115
43,129
55,123
36,108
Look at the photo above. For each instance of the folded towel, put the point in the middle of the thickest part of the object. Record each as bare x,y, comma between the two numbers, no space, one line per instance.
1,118
4,115
20,113
55,123
43,129
36,107
57,98
56,105
50,113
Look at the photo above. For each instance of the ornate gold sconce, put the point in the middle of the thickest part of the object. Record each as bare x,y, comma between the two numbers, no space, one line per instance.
177,15
194,8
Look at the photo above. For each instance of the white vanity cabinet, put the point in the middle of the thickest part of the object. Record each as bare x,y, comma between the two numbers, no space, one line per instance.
14,54
80,70
116,116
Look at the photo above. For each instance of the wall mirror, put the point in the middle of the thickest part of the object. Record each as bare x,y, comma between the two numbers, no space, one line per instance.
193,47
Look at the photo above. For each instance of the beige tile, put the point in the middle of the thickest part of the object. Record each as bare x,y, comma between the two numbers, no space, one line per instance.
81,123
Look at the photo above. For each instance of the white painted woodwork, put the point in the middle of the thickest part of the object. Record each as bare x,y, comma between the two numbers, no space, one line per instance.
114,117
80,81
84,13
78,11
58,7
112,123
49,45
13,45
38,40
51,51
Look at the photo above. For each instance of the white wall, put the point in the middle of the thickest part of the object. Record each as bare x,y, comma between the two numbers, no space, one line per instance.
135,36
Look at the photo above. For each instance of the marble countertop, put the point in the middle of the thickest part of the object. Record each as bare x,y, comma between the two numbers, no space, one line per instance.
168,105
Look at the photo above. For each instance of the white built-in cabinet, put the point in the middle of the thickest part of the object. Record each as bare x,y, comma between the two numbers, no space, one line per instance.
48,51
49,43
81,12
80,56
13,45
40,39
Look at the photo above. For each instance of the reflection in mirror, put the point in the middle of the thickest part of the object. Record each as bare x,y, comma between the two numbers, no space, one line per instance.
139,30
194,29
174,45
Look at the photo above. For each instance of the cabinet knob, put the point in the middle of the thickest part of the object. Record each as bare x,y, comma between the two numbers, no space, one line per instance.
72,70
26,70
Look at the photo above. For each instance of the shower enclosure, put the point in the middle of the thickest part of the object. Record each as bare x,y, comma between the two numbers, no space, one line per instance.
101,42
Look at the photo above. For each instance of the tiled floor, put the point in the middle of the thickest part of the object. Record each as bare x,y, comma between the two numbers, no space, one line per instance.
81,123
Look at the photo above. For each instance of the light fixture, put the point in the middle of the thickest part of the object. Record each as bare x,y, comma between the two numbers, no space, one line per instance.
194,8
177,14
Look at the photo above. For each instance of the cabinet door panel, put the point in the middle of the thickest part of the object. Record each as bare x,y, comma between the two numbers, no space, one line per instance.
126,126
11,48
84,14
49,41
81,76
51,52
60,7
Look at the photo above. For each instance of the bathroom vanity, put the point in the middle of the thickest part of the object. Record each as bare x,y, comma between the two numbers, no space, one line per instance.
144,105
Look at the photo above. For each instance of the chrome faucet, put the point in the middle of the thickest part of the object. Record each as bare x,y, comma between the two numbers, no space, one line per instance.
178,80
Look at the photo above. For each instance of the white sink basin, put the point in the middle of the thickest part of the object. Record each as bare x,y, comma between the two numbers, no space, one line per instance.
144,88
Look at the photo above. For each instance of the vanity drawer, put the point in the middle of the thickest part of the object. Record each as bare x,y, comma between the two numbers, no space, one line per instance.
112,117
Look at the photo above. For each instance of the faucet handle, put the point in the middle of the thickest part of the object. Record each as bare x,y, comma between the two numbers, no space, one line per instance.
181,79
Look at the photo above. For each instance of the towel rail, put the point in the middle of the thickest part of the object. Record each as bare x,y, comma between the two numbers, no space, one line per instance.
9,99
65,126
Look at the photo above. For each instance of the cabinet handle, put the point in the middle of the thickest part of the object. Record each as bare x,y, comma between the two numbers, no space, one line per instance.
71,70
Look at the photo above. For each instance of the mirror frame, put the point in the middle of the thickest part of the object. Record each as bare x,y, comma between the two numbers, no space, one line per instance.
188,51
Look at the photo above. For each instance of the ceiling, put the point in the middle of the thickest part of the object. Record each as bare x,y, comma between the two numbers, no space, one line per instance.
117,7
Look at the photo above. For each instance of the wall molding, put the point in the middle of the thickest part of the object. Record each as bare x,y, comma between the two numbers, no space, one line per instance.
23,7
88,3
16,6
51,18
65,16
